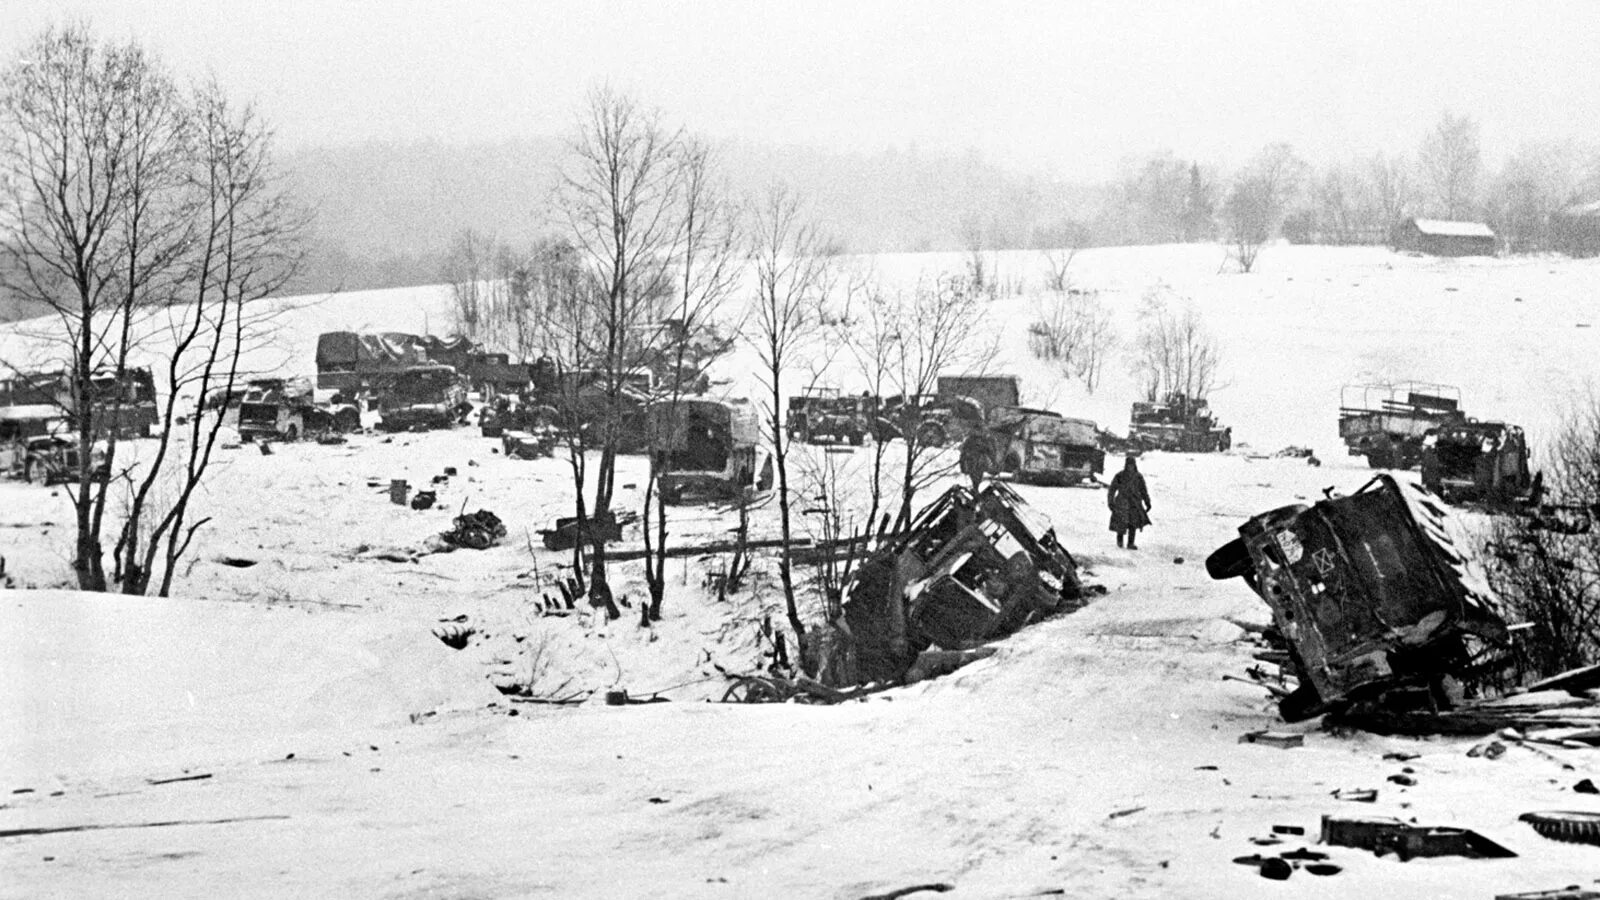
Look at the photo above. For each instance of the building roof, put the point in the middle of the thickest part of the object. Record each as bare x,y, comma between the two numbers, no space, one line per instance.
1443,228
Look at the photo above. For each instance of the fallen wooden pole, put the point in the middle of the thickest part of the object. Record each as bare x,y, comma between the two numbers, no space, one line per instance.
60,829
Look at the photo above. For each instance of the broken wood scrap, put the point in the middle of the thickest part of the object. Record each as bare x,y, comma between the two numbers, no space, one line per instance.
1469,721
197,777
705,549
62,829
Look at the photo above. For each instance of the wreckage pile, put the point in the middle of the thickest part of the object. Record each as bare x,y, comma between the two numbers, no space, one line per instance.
971,568
1383,621
477,531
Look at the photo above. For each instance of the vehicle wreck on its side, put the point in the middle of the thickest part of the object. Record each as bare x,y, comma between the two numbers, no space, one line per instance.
970,569
1370,592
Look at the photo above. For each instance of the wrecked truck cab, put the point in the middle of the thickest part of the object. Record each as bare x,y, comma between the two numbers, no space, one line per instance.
971,568
1370,591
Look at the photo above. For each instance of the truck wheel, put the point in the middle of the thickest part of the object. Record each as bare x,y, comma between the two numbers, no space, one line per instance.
347,420
1229,561
291,434
1013,463
1303,704
672,494
1381,458
856,437
37,473
931,435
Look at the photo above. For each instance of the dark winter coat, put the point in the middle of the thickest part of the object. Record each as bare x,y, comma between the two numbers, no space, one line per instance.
1129,500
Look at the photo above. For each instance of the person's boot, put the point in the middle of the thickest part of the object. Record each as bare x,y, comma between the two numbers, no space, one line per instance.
1119,540
1132,536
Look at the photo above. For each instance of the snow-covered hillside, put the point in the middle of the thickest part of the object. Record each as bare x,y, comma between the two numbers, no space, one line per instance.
351,753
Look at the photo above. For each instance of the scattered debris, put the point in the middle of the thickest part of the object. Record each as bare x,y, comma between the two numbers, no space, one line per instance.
1573,826
398,489
1356,795
455,636
1126,812
1384,835
61,829
566,533
1282,739
477,531
1570,892
1288,829
233,561
1586,787
199,777
1403,780
424,500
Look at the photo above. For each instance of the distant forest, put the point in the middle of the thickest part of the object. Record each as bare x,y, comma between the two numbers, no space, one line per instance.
387,213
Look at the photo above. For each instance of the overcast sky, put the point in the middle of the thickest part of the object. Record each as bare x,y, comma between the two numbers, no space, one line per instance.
1068,88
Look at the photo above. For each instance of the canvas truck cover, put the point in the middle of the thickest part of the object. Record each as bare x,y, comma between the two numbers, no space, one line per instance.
737,417
993,391
345,351
1061,430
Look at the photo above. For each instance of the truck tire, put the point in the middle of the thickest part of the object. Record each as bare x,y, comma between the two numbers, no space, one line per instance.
856,437
291,434
931,434
37,472
1229,561
1381,458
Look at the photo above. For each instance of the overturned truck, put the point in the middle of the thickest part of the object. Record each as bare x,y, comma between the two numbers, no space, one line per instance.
1371,596
971,568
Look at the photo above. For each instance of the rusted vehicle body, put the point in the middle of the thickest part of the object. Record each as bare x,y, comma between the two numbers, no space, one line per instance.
1370,592
707,447
1041,447
1177,423
970,568
1479,462
1387,423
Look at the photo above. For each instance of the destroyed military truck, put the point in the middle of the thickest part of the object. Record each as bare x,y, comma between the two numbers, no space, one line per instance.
707,448
286,409
124,404
36,448
1177,423
960,406
1480,462
823,415
1386,423
393,373
1040,447
971,568
1370,592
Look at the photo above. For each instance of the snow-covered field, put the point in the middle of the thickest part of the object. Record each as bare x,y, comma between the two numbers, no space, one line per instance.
351,753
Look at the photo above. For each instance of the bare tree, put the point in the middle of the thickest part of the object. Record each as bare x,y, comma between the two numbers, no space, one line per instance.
1074,330
1450,160
1260,195
792,274
1389,181
467,268
621,194
244,249
936,328
1174,351
708,271
1538,180
115,184
1547,564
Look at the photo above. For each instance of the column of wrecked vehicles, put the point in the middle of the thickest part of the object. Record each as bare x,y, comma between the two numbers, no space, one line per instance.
1417,424
39,416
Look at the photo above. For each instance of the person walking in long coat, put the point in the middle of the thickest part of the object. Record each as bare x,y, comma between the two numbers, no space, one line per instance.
1129,500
